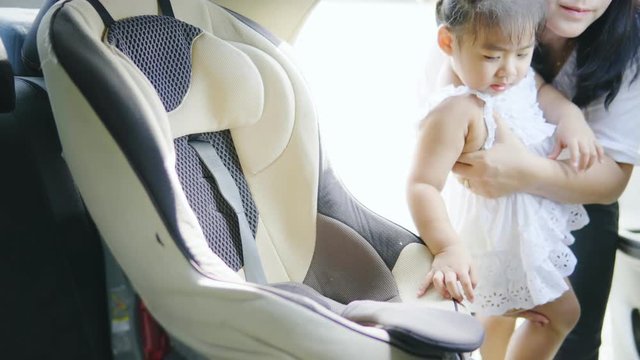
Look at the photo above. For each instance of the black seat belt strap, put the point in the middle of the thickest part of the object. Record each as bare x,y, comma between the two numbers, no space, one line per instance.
107,19
252,265
165,7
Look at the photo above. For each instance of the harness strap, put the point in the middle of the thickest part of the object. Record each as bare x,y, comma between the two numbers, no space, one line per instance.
229,190
107,19
165,7
104,14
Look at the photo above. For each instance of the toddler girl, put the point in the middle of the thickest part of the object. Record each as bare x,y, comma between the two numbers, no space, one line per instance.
509,254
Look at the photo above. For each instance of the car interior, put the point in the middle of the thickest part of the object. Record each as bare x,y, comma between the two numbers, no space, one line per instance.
167,196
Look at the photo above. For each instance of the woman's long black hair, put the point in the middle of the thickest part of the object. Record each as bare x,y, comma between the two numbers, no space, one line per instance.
605,51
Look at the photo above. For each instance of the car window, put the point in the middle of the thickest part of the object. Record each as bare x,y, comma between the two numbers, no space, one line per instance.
364,63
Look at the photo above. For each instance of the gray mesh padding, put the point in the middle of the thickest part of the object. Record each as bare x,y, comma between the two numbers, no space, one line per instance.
308,292
386,237
160,46
216,217
345,267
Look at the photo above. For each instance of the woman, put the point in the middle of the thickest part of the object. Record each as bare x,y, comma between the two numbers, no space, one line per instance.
588,50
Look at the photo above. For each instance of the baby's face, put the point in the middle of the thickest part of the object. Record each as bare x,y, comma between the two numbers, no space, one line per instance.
491,62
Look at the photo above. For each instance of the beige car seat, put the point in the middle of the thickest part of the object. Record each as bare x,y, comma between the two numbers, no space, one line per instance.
194,143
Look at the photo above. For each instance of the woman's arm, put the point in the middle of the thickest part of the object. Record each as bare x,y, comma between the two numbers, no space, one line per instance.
603,183
509,167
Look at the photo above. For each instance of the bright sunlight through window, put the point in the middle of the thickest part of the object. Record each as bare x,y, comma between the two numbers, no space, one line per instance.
364,62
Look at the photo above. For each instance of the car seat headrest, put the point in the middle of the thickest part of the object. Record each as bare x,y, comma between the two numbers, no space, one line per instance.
204,82
226,90
30,46
7,87
14,27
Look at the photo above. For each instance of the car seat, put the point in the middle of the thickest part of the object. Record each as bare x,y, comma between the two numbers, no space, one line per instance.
194,144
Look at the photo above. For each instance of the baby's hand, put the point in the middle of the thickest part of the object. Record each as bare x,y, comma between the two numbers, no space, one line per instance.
576,135
451,265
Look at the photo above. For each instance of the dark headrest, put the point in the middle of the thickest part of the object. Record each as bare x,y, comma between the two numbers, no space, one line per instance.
30,46
7,87
14,26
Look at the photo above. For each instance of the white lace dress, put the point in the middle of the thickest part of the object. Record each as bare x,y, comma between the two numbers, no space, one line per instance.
519,242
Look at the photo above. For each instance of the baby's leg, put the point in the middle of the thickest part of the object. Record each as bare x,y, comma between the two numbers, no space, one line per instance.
535,341
498,330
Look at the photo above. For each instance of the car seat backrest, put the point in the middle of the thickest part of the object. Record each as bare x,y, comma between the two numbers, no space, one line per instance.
172,56
134,91
250,105
244,91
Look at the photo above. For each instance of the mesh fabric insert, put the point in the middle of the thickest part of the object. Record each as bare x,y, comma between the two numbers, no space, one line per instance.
216,217
160,46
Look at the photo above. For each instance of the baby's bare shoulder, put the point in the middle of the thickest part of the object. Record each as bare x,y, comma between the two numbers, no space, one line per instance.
463,112
461,108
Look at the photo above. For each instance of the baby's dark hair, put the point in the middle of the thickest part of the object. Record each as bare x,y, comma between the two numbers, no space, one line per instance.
514,18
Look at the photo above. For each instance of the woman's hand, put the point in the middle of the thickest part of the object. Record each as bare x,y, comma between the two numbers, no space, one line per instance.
499,171
451,265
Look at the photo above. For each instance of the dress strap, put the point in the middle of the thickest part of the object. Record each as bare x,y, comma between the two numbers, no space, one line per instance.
488,111
489,118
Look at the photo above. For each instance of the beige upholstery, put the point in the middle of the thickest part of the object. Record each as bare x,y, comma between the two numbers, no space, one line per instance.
243,82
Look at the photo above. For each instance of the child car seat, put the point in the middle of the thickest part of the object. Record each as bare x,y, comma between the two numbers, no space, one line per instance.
194,144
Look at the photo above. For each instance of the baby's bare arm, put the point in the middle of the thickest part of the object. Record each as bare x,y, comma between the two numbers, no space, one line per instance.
444,135
554,104
572,132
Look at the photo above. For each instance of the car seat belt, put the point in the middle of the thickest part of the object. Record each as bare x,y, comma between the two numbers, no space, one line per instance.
252,266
